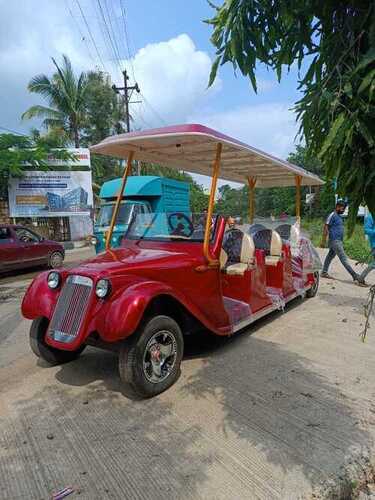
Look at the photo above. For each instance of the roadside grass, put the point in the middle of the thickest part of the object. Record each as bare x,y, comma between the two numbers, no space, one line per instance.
356,247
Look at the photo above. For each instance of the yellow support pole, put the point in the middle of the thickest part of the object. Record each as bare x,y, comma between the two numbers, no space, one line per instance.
118,201
207,233
298,197
252,183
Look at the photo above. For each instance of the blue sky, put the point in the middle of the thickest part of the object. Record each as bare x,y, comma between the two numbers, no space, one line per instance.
171,56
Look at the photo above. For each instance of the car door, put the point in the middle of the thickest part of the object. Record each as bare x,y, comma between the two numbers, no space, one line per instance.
33,250
9,249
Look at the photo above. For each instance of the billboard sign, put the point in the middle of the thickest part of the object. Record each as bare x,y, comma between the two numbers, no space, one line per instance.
52,193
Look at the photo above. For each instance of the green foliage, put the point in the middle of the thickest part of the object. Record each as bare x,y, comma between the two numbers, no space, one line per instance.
66,96
278,200
103,111
19,153
336,40
356,246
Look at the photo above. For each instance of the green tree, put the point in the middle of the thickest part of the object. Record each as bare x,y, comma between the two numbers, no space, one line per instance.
66,96
19,153
333,44
103,109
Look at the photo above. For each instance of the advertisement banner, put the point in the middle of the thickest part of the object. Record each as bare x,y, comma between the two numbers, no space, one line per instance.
51,194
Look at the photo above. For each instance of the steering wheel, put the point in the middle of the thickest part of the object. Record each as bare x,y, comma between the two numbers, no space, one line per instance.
180,224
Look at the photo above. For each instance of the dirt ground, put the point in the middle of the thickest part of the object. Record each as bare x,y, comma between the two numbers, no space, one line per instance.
284,410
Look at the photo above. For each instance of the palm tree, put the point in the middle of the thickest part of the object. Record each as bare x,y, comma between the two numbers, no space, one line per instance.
65,94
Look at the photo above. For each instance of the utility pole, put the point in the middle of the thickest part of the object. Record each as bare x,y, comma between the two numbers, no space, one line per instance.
128,92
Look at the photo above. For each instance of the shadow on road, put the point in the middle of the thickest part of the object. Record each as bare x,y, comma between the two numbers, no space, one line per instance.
268,398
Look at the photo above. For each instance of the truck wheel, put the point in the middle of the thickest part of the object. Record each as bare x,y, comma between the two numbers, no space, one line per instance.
55,260
41,349
150,362
311,292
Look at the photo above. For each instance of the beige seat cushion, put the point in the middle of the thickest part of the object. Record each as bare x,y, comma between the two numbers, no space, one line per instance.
272,260
246,257
238,269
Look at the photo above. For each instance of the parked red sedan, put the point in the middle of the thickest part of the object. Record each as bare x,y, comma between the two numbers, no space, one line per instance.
20,247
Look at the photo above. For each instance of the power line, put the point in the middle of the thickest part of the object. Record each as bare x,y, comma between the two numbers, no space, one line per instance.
109,34
12,131
92,38
113,32
156,113
127,38
80,32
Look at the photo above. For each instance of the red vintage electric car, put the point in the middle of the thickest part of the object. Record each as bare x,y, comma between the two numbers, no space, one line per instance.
175,273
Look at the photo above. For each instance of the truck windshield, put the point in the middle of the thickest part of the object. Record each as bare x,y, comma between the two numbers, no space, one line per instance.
105,214
174,226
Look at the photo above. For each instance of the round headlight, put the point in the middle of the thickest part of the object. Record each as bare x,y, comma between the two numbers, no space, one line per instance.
53,279
103,287
93,240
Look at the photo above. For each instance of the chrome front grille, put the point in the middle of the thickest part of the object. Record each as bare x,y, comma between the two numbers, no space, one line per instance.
70,308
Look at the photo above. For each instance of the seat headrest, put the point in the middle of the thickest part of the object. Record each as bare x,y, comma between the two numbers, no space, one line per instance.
247,249
276,247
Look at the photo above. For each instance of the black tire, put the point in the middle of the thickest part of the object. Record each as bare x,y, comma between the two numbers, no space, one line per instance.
41,349
311,292
55,260
135,355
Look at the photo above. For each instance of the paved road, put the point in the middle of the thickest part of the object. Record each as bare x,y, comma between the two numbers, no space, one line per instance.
278,411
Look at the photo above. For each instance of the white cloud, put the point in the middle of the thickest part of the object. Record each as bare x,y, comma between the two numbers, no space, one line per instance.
173,76
270,127
265,85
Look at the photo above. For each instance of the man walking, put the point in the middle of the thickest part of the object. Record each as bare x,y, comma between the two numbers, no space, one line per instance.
370,233
334,229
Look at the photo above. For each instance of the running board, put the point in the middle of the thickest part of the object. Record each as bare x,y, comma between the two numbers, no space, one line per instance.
263,312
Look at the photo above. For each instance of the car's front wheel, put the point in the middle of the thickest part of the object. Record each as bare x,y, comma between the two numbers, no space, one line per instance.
44,351
149,363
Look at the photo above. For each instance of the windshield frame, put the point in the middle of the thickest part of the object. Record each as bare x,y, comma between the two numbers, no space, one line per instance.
170,238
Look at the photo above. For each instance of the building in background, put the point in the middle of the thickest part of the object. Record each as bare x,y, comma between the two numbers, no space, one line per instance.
58,203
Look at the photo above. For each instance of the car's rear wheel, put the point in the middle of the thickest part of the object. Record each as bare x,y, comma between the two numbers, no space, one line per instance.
41,349
55,260
150,362
311,292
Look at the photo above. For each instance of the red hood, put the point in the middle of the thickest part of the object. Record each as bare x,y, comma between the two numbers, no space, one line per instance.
122,260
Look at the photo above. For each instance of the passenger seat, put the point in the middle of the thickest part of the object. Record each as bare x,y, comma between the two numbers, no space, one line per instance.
237,253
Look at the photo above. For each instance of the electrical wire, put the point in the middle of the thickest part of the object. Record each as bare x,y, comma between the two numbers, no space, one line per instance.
156,113
130,55
83,38
117,58
92,38
12,131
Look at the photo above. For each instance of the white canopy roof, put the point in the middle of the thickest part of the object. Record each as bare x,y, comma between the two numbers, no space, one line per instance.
192,148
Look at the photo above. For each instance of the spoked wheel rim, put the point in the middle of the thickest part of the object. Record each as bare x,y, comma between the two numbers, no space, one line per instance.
56,260
314,288
160,356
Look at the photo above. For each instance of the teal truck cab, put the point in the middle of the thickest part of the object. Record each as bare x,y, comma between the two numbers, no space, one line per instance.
143,194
